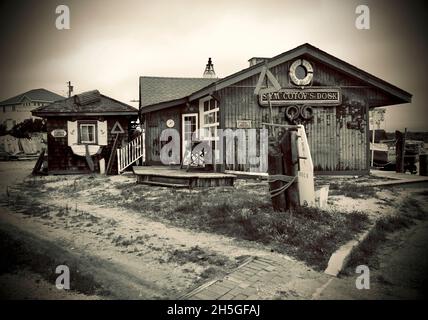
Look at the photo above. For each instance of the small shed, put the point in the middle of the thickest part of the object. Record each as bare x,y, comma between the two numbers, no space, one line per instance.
84,131
305,85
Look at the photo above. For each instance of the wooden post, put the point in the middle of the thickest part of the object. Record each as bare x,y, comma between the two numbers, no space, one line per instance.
38,166
109,169
290,163
275,167
399,151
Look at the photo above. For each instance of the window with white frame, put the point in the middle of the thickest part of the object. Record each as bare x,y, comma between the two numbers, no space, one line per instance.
87,133
209,122
209,118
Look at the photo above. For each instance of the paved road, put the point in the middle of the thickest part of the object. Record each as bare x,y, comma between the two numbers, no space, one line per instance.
402,272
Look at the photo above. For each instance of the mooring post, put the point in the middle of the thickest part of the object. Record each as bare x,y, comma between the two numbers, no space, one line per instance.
291,166
275,167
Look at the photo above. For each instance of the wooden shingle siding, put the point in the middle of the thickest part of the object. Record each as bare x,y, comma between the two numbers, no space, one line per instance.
60,156
155,122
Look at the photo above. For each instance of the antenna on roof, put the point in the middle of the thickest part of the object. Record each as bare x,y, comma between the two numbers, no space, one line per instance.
70,88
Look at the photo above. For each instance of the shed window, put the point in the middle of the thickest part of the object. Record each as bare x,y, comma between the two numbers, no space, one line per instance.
209,119
87,133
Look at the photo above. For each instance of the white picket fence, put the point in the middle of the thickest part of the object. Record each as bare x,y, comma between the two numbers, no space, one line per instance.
130,153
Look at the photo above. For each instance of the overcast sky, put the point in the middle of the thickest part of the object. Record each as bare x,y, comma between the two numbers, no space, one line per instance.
112,43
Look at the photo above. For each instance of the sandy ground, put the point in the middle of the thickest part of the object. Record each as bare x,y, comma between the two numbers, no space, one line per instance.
135,257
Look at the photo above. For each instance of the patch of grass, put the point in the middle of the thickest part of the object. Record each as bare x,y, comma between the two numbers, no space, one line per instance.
198,256
121,241
309,234
350,190
210,273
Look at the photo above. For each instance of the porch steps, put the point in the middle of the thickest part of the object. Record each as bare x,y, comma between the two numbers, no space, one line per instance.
165,184
164,176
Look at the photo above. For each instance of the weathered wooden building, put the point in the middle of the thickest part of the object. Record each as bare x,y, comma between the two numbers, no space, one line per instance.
304,85
84,130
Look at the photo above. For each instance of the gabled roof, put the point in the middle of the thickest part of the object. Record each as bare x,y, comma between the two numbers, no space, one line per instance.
398,95
90,103
154,90
38,95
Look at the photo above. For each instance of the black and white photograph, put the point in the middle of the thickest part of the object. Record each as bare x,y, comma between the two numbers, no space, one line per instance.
230,151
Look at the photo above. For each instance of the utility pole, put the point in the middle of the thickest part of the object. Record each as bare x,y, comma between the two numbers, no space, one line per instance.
70,88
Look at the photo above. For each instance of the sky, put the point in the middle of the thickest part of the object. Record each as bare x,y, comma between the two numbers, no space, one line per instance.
111,43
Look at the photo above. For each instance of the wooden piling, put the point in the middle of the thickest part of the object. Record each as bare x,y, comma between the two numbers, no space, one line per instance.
275,167
290,164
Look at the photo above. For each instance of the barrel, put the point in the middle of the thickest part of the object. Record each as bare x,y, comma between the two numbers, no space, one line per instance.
423,164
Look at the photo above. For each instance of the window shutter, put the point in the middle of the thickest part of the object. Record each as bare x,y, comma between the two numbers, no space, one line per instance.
72,132
102,133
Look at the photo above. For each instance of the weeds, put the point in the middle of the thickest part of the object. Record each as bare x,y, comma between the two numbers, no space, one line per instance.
350,190
197,255
309,234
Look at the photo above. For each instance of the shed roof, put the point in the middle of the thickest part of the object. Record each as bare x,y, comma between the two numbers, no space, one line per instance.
40,95
154,90
86,103
397,95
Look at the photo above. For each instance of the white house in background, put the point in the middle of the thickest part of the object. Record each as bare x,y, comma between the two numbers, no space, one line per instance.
16,109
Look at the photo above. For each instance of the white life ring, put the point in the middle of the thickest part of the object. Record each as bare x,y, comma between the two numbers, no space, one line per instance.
309,72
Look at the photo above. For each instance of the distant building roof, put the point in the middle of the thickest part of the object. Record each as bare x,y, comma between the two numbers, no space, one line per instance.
154,90
86,103
41,95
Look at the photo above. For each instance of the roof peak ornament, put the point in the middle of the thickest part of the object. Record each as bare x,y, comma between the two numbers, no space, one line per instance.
209,70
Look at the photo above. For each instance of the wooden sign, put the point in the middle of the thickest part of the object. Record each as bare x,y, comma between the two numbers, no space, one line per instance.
377,119
313,96
379,147
243,124
59,133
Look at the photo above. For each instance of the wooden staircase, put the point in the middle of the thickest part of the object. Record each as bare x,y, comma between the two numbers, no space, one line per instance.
130,153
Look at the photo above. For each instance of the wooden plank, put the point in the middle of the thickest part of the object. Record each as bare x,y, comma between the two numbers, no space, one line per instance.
260,81
273,80
38,166
112,155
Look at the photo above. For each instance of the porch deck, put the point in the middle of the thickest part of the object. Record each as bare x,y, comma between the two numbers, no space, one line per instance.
179,178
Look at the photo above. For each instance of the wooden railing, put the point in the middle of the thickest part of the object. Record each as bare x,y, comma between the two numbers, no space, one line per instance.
130,153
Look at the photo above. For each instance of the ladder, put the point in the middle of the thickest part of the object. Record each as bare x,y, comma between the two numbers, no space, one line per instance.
130,153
